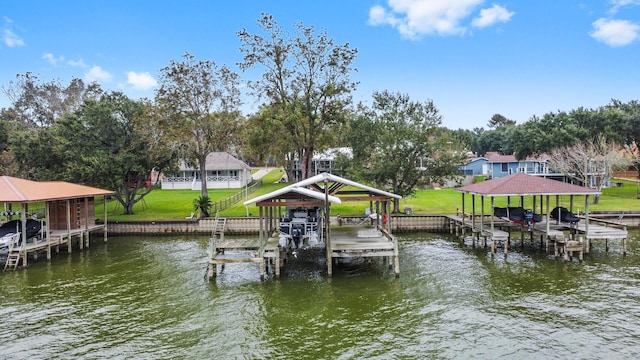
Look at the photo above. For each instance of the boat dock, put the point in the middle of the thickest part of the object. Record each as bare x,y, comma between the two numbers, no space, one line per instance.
46,242
566,238
69,213
348,242
298,215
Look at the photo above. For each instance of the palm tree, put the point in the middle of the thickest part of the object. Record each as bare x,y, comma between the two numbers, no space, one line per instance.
203,205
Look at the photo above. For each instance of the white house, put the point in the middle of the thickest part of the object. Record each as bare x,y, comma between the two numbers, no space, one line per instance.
223,171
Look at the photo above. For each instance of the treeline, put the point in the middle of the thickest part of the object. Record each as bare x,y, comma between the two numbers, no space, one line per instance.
617,122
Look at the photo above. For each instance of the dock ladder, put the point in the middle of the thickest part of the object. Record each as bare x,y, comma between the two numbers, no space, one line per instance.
219,226
217,234
13,257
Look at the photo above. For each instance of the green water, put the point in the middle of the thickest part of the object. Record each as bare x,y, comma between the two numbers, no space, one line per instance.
147,298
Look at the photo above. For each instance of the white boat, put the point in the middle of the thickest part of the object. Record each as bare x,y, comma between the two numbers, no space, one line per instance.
300,226
11,233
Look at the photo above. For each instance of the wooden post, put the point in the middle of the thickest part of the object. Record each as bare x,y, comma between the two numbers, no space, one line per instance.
327,228
473,214
47,232
261,240
69,226
86,221
463,216
586,223
548,224
104,232
23,235
482,213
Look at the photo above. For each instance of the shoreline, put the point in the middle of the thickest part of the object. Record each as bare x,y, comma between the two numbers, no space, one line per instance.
250,225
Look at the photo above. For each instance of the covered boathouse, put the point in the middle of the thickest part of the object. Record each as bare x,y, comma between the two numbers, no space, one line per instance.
69,213
543,196
299,215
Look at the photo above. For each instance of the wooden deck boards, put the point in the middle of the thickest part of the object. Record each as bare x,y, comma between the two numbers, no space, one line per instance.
56,238
345,243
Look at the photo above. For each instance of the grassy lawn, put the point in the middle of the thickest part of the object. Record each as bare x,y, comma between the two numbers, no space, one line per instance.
178,204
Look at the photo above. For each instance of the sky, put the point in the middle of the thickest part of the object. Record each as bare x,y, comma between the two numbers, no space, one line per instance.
472,58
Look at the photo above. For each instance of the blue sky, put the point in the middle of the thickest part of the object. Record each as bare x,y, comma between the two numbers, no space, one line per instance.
473,58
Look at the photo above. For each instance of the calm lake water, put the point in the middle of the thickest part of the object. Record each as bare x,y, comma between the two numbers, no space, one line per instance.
147,298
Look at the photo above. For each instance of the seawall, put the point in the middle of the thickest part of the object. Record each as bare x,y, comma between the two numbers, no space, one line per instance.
251,225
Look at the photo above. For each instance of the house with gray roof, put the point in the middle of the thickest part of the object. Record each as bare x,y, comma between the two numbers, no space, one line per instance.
223,171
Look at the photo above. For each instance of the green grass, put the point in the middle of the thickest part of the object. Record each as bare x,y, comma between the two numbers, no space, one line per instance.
178,204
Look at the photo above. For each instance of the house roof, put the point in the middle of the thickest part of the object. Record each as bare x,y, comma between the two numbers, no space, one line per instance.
523,184
512,158
16,190
472,160
219,161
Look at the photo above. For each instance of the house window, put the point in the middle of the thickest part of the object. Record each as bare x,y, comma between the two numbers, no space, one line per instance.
505,167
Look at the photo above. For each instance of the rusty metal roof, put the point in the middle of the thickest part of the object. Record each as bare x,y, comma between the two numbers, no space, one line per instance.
523,184
16,190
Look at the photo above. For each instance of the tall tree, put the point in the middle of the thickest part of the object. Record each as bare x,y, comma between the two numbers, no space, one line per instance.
201,102
306,76
590,162
398,144
630,114
499,120
35,103
499,140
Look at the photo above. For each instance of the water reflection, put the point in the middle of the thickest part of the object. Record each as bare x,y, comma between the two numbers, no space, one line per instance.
147,297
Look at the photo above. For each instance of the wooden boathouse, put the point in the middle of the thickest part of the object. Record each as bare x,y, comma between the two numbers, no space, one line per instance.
69,214
567,238
370,239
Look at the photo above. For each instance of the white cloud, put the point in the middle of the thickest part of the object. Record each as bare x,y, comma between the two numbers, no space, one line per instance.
617,4
414,18
492,15
52,59
8,36
11,40
141,81
96,73
77,63
615,32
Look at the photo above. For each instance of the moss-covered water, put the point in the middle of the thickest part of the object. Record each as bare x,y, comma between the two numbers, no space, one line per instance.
146,297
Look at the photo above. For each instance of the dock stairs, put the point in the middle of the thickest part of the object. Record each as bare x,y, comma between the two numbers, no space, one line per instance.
13,258
219,226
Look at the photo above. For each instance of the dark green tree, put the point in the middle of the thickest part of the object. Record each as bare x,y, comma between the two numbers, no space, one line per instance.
498,120
102,144
262,134
398,145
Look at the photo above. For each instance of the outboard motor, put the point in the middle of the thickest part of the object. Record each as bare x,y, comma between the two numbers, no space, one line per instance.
296,235
528,217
